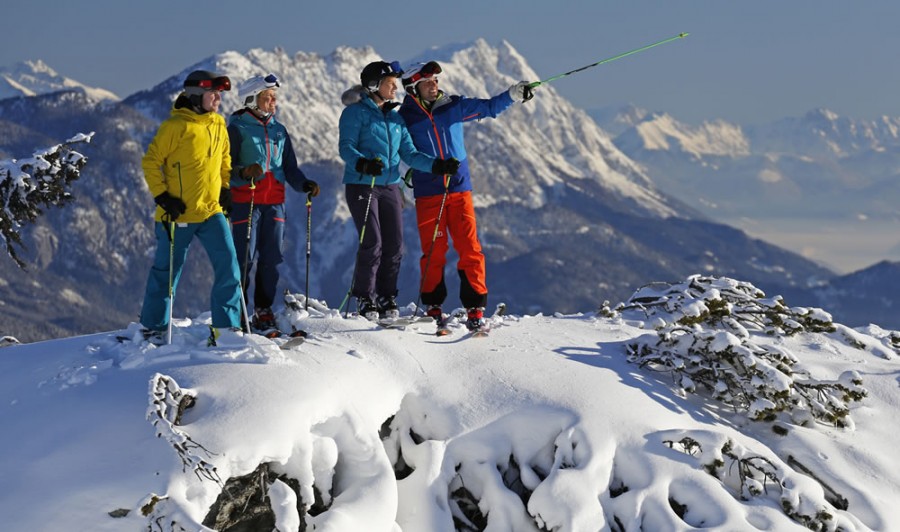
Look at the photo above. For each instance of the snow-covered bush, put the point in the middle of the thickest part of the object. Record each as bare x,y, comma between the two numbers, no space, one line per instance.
29,184
748,476
704,339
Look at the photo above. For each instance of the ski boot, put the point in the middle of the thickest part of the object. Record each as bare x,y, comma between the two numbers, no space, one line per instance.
475,319
387,308
264,323
367,308
435,312
225,336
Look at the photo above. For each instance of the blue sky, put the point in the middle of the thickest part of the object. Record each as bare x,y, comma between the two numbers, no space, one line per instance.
744,61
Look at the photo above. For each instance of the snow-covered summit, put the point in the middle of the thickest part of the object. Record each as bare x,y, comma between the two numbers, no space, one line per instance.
29,78
547,424
662,132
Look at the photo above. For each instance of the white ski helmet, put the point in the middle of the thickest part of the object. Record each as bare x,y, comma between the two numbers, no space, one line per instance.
250,89
418,72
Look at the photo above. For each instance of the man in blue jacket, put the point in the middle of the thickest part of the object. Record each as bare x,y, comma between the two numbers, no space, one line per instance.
435,123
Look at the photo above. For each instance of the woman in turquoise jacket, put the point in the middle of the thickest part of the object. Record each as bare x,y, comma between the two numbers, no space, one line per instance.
373,141
262,161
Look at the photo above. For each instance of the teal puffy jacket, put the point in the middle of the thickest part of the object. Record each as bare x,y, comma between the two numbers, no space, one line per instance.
368,132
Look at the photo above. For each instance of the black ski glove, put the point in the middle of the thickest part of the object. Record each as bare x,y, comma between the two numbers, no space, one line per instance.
373,167
445,166
172,206
225,200
252,173
311,188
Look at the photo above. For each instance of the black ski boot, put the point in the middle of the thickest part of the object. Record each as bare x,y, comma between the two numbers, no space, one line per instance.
367,308
387,308
475,319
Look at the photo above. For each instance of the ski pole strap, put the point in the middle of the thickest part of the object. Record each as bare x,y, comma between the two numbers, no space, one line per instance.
170,226
608,60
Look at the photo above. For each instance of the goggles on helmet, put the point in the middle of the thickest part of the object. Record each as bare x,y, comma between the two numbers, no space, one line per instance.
392,69
221,83
271,81
428,70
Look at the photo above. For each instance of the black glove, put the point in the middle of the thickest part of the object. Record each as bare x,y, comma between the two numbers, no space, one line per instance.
372,167
173,206
311,188
251,173
445,166
225,200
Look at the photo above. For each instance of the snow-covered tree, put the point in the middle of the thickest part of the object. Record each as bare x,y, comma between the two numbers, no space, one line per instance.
28,185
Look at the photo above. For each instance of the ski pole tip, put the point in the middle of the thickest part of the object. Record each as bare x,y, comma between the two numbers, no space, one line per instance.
683,34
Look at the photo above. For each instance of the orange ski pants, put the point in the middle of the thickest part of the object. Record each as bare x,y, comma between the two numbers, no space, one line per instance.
457,219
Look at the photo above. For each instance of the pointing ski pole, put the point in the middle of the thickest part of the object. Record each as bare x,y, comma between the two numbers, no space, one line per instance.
608,60
308,248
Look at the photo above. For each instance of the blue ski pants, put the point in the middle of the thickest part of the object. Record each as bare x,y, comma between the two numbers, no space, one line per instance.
266,239
225,299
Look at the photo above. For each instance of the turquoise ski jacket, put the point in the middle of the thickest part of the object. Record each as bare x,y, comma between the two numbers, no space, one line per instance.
367,131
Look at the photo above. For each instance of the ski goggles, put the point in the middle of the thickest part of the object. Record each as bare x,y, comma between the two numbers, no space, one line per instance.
271,81
221,83
426,71
391,69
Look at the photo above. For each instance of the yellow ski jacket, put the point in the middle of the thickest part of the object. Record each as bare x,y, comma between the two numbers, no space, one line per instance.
190,158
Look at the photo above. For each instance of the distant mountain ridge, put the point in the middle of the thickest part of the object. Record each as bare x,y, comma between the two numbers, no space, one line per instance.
32,78
814,165
567,219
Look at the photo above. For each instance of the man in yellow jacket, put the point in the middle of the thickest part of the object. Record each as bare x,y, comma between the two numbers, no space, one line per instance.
187,168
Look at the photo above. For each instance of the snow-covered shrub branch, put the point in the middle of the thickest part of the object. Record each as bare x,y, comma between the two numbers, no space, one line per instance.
27,185
167,403
165,516
748,476
703,338
722,302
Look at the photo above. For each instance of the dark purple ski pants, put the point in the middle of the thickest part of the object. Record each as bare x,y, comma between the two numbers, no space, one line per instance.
382,246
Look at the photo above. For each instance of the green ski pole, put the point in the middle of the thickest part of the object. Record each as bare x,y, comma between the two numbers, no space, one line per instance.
609,59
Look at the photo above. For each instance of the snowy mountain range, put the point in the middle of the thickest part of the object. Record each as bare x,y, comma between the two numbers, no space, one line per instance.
563,211
817,166
31,78
821,182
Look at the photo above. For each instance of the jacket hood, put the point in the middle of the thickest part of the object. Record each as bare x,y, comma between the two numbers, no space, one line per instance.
353,95
185,101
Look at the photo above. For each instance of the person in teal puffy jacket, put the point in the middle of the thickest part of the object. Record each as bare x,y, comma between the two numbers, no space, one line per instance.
263,161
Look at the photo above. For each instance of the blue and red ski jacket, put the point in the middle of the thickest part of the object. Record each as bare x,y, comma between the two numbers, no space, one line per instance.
438,132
